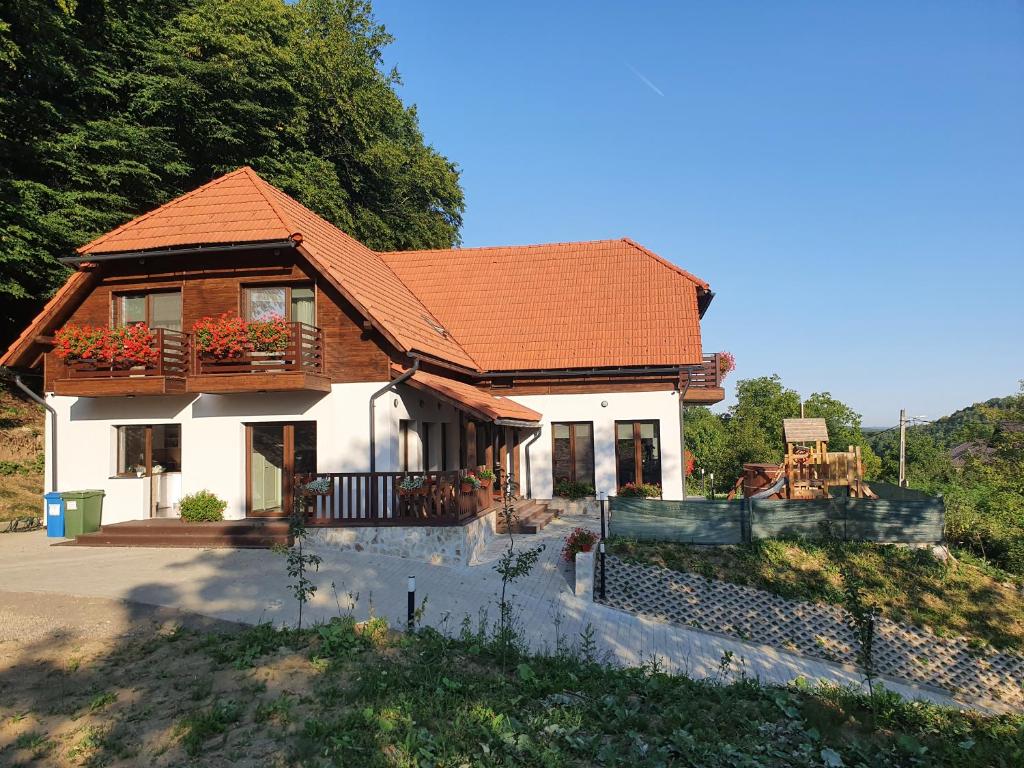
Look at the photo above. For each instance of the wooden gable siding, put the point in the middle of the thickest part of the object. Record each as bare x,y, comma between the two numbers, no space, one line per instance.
212,284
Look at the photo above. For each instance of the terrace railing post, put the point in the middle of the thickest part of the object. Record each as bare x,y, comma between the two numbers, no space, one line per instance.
159,351
296,363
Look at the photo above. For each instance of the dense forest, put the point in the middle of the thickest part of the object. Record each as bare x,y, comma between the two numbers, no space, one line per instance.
109,108
983,490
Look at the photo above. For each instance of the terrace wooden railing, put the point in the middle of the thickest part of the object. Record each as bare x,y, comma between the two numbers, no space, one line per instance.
709,375
376,499
171,360
302,354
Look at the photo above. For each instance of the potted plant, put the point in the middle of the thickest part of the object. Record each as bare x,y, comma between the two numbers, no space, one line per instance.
410,485
120,348
268,336
470,483
486,477
726,363
222,337
579,540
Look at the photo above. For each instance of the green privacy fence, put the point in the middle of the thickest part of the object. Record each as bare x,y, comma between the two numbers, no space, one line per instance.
690,522
914,520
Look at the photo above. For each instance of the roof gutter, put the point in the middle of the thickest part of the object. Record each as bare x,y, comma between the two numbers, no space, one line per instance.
192,249
674,370
518,423
389,387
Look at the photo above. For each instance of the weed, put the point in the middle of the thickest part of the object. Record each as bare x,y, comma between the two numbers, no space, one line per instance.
200,726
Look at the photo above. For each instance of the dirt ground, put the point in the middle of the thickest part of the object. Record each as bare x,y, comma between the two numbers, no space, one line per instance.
86,681
21,446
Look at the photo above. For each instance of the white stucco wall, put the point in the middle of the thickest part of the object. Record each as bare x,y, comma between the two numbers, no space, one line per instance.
213,437
661,406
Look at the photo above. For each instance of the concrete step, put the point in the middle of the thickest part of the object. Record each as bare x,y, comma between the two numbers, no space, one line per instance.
197,542
532,516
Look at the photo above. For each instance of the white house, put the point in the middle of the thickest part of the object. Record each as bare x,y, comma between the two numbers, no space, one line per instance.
232,339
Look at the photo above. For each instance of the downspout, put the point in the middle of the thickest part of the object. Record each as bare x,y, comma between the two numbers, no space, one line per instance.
53,429
682,428
526,460
373,405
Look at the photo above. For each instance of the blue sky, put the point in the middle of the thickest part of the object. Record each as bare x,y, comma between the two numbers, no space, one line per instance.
849,177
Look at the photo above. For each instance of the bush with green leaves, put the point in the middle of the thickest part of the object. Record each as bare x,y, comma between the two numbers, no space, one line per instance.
640,490
570,489
202,507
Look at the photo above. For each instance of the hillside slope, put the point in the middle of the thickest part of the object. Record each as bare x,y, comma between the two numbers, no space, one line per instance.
21,454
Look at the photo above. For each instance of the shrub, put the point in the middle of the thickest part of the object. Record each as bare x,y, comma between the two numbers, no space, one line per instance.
202,507
641,490
569,489
473,480
580,540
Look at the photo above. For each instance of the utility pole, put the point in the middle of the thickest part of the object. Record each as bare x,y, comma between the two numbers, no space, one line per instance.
903,448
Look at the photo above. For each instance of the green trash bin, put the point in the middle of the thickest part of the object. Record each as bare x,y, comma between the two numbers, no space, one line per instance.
83,512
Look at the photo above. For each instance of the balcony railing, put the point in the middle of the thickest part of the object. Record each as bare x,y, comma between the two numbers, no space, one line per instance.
709,374
171,360
302,354
376,499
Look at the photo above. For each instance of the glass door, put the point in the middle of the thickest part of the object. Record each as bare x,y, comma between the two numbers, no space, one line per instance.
638,452
266,469
275,453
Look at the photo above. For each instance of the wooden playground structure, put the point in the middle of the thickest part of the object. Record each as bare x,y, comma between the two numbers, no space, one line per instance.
809,468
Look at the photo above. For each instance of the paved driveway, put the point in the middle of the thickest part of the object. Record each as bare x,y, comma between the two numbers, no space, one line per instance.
250,586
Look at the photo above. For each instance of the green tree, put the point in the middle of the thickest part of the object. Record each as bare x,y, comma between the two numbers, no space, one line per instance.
844,430
110,108
707,438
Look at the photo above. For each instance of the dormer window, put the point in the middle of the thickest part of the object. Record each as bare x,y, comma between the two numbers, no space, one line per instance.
160,309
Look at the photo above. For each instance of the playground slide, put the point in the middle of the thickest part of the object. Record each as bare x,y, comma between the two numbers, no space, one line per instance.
769,492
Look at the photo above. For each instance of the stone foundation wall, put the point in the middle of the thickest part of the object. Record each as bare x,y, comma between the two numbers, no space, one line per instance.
438,545
588,506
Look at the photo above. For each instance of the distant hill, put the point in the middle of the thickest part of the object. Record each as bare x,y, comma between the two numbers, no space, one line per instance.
964,425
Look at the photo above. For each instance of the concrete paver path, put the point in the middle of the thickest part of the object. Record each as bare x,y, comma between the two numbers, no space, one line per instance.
250,586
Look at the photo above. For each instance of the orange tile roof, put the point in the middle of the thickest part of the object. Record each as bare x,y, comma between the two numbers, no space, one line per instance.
562,305
605,303
229,209
241,207
483,403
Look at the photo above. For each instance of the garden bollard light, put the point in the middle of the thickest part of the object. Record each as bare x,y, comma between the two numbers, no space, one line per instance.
601,550
412,604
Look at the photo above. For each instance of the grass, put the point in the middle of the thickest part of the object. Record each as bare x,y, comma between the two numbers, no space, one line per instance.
348,694
966,598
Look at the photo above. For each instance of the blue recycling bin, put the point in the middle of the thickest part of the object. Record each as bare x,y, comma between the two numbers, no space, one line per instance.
54,515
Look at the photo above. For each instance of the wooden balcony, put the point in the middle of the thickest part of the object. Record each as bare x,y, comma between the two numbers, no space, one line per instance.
297,367
705,382
376,499
165,376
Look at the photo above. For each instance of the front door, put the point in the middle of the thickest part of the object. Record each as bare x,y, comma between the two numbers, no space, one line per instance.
275,453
